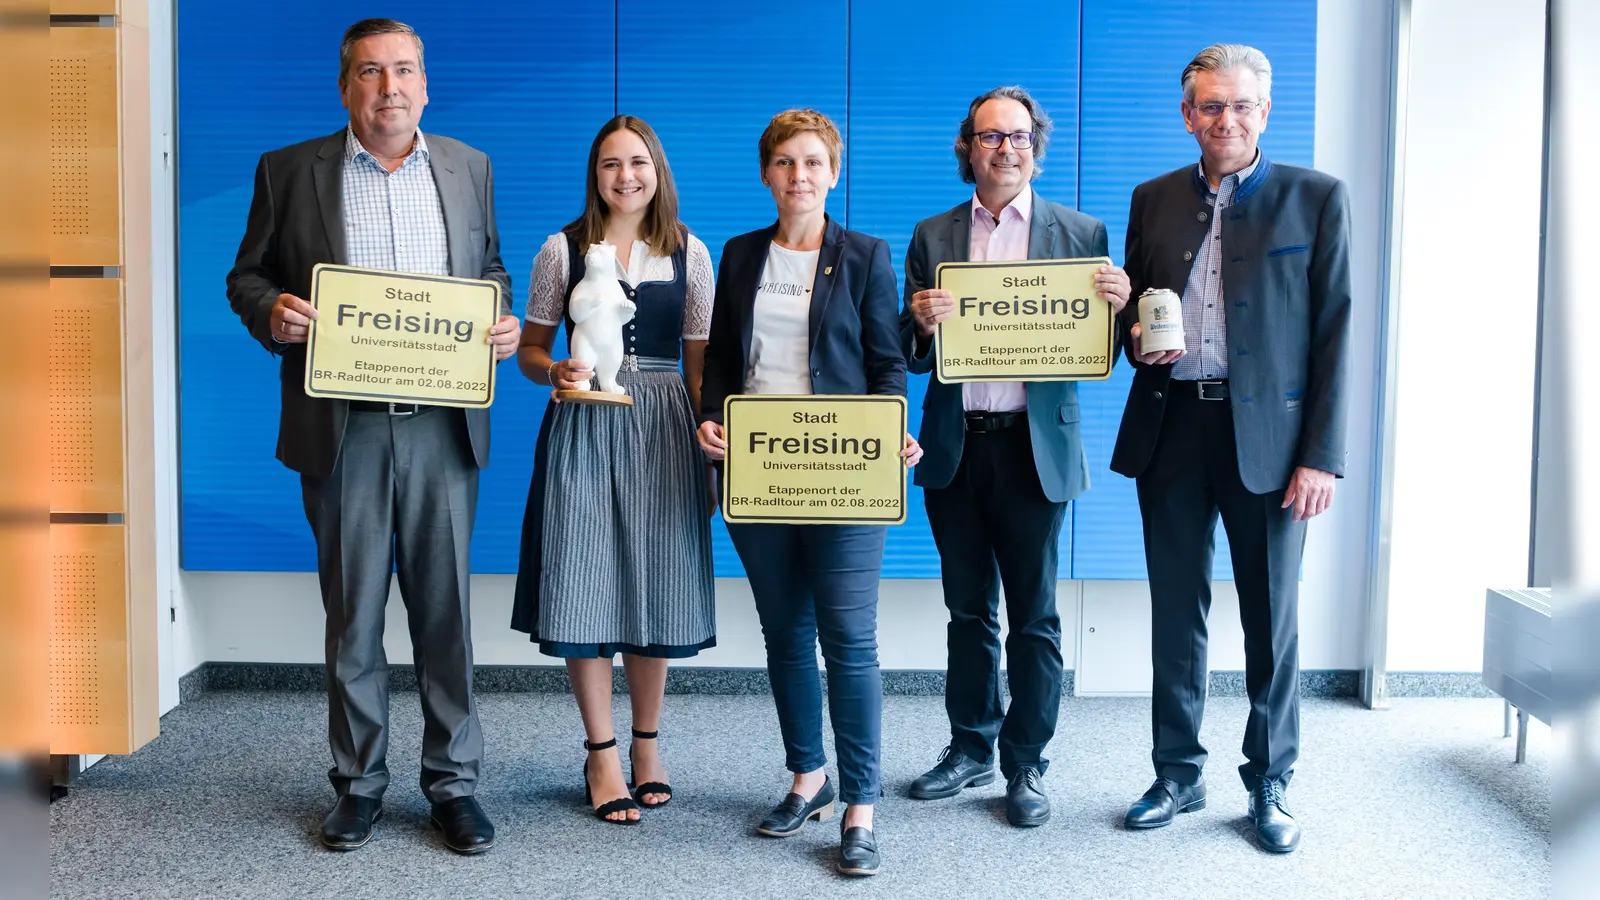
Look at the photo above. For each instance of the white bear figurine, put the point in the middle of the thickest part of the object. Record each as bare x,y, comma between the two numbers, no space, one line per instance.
599,308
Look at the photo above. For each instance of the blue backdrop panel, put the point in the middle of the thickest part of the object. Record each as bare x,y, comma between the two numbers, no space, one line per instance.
1134,54
529,91
532,90
708,75
911,79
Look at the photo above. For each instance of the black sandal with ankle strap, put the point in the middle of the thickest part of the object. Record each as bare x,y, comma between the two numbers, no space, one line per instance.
649,787
604,811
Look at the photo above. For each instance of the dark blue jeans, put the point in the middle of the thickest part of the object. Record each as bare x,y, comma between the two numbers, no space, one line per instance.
819,583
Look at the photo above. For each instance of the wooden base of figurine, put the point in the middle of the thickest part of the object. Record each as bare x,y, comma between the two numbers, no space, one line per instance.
594,398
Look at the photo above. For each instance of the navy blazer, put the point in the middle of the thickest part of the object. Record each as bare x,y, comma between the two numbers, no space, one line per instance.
855,342
1054,232
1286,288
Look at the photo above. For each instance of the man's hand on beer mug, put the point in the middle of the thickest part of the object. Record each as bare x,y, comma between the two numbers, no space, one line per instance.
1152,359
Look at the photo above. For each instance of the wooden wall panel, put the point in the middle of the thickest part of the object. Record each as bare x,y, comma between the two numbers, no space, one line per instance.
83,7
85,182
86,422
89,640
104,694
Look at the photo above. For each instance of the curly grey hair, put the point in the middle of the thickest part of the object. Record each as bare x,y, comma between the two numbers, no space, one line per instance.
1041,129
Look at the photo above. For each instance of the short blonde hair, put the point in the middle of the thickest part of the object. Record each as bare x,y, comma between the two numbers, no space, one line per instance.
793,122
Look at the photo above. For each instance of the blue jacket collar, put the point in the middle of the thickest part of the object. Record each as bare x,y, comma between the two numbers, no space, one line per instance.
1250,185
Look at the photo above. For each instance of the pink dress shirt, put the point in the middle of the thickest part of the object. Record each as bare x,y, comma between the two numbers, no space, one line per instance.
1004,240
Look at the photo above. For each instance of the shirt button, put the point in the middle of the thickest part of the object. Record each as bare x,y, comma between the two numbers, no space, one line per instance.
1208,340
1200,216
1187,255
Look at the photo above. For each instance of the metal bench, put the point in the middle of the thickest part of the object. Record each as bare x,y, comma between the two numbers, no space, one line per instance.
1518,646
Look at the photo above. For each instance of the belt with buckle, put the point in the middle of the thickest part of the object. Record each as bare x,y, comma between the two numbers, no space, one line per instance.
1205,390
983,422
392,409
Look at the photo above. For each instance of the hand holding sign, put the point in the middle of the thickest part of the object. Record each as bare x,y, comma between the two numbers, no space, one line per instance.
291,319
931,307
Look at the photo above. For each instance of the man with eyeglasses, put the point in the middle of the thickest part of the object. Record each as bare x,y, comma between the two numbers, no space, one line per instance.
1246,421
1001,461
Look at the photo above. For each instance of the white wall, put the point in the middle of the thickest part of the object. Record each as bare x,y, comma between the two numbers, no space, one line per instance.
1568,529
177,653
1468,310
277,617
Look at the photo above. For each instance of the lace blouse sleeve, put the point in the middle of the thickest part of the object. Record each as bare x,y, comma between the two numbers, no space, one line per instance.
547,287
701,289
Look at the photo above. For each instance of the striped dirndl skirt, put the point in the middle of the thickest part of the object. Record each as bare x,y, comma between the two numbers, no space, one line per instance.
625,543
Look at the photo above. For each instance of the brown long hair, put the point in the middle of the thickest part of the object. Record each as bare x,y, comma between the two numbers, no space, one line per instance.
662,230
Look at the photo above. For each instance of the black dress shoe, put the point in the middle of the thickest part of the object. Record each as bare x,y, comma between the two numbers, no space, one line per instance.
1276,830
954,772
466,829
792,814
1165,799
1026,804
349,825
858,851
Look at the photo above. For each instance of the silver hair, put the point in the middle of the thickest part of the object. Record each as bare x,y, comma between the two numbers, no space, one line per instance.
969,128
1222,57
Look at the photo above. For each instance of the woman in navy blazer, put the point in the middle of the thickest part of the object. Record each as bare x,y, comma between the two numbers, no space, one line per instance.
805,307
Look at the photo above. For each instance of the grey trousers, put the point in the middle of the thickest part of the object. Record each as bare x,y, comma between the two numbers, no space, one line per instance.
401,498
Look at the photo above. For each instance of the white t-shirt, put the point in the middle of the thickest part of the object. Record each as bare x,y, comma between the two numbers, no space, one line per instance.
780,334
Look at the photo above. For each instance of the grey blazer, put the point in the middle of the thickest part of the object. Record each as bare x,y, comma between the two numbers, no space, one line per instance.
1286,277
296,221
1055,232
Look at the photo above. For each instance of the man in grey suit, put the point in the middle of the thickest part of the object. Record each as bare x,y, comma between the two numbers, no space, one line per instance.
1247,420
1001,462
386,486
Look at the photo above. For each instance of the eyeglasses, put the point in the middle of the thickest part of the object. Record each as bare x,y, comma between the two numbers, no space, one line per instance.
1020,140
1241,108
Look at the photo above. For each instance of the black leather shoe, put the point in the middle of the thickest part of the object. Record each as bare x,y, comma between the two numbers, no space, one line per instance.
954,772
1276,830
1026,804
792,814
858,851
349,824
1165,799
466,829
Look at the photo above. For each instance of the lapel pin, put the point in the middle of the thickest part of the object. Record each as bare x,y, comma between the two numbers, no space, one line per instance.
828,270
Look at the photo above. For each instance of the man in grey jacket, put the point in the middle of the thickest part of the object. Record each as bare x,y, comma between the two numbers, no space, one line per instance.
1002,461
1246,421
386,486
